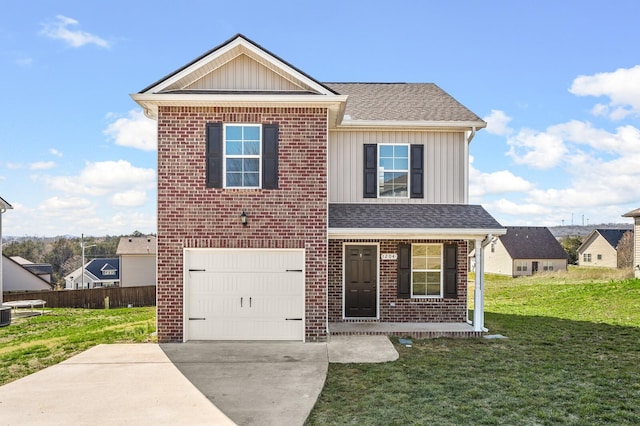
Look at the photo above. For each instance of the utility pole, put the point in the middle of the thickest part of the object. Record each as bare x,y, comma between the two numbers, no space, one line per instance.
82,272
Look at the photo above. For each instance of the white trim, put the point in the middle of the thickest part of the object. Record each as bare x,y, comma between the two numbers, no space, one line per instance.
413,233
243,47
441,295
382,171
242,157
457,125
344,245
185,313
151,101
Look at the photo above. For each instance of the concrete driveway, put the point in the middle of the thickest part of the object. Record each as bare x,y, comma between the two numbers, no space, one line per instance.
195,383
255,383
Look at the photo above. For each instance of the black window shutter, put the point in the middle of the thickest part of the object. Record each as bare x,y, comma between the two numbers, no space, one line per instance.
450,271
404,271
417,171
370,170
270,156
214,155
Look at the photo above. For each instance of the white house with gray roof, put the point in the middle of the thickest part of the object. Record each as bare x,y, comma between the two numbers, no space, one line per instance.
137,261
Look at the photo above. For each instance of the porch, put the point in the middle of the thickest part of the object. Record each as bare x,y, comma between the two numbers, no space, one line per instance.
402,329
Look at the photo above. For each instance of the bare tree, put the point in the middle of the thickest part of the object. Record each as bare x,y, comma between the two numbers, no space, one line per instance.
625,250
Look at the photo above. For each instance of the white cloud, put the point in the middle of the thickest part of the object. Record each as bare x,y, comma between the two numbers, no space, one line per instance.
500,182
59,29
103,178
541,150
42,165
24,61
525,210
129,198
498,123
621,86
55,152
135,131
63,204
14,166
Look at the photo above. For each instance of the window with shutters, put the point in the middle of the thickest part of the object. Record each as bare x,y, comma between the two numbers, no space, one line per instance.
242,155
393,171
426,270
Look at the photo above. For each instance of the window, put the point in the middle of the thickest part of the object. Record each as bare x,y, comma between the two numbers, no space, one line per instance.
521,265
242,148
599,257
547,266
242,155
426,270
586,257
393,171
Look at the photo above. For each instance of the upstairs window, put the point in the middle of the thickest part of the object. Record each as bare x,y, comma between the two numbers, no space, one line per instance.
393,171
242,155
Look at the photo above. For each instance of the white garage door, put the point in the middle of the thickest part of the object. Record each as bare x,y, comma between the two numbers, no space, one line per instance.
239,294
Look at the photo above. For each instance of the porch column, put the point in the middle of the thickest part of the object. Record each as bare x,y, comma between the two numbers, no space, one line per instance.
478,294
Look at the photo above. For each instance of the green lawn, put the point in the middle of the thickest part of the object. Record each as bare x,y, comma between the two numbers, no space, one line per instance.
31,344
572,357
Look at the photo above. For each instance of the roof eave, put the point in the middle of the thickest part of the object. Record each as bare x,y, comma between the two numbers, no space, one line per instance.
151,101
415,233
431,125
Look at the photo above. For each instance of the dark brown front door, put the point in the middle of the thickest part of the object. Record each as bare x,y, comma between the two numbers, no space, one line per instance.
360,272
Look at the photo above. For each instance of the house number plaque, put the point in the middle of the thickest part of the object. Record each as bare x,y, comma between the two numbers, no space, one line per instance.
389,256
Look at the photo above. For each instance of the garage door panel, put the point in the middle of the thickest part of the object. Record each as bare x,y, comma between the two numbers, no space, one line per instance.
245,295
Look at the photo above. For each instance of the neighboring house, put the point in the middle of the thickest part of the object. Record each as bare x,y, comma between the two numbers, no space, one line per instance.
98,273
43,270
524,250
15,277
600,248
289,209
137,261
635,214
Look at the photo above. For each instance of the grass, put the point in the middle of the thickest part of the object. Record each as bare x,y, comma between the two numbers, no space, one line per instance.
572,357
31,344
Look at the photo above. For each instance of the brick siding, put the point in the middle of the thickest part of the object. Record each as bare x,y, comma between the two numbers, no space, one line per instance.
405,310
191,215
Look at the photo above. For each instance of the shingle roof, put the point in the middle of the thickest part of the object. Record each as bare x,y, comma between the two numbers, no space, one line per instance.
532,242
136,245
97,266
632,213
612,236
401,101
406,216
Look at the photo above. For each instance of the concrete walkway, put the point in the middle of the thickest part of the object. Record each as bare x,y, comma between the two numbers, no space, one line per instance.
194,383
119,384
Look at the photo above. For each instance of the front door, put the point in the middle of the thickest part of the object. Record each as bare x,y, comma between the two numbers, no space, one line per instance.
360,275
534,267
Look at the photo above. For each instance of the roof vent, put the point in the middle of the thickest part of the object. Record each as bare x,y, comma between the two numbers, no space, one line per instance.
130,240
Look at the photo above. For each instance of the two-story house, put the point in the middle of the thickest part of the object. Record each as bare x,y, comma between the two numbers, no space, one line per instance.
289,209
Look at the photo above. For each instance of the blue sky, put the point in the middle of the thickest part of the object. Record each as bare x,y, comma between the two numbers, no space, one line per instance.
557,81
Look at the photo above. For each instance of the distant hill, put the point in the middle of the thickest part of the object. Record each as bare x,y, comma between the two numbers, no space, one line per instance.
583,231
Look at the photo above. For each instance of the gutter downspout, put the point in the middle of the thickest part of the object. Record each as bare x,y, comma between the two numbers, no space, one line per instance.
478,295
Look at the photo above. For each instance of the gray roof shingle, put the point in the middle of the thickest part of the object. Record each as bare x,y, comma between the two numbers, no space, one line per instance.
401,101
407,216
613,236
532,242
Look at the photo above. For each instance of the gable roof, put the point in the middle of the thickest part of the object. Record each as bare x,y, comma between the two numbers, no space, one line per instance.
32,273
4,205
402,102
632,213
240,72
416,220
532,242
97,267
612,236
136,245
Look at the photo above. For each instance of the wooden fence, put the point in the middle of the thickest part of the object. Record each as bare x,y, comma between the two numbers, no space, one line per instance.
119,297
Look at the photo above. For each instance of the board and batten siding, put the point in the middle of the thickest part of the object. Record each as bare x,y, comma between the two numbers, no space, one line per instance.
444,173
243,73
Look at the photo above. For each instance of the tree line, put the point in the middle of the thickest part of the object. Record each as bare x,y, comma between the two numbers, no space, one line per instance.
64,254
